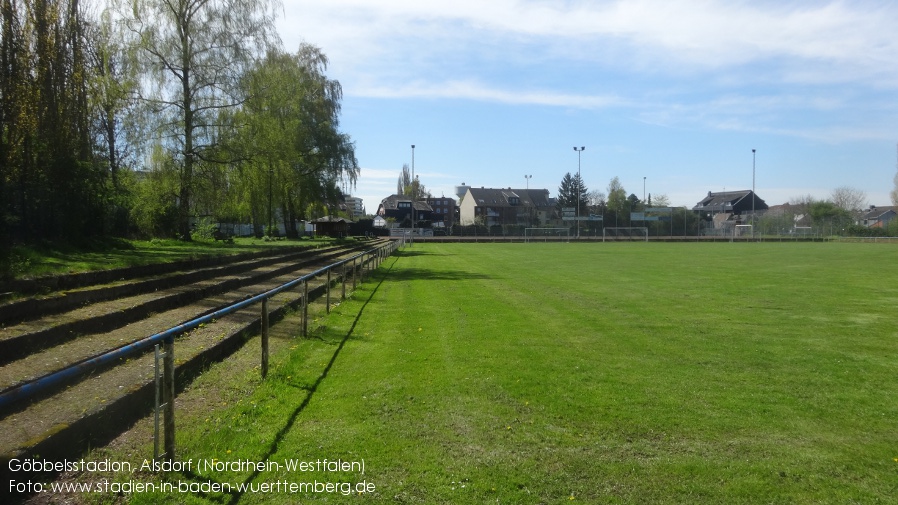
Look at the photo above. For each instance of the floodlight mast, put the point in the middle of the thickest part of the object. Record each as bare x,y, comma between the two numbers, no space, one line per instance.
579,182
412,234
753,196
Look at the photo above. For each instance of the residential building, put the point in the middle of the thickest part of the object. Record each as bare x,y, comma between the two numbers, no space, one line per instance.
492,206
354,206
878,217
399,207
729,208
445,211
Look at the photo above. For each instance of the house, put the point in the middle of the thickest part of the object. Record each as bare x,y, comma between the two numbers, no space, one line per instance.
878,217
399,207
492,206
728,208
731,202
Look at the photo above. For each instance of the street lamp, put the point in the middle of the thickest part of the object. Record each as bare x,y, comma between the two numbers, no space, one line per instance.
527,177
643,191
583,148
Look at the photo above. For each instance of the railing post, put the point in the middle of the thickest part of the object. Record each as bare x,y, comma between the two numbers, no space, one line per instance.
264,337
305,308
168,396
343,279
328,291
354,272
157,389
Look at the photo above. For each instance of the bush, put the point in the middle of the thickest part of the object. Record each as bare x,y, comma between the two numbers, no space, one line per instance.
205,229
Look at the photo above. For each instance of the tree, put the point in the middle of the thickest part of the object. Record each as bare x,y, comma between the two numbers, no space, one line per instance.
572,193
849,199
195,53
827,214
659,201
292,154
617,198
408,187
894,193
50,186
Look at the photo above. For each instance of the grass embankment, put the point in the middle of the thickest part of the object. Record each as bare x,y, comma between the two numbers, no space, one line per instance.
602,373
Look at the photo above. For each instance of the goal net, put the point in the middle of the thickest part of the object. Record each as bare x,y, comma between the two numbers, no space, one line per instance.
544,234
743,230
626,233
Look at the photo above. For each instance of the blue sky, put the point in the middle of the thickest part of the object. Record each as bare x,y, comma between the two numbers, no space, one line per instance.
676,92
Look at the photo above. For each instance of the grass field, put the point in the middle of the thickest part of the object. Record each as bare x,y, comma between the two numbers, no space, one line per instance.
600,373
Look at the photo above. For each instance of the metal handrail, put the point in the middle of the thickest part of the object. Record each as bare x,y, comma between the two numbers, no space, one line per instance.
35,386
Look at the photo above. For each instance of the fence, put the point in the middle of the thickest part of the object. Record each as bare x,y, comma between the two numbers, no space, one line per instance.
359,265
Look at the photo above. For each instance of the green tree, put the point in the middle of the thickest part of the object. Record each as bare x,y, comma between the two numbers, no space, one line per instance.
617,199
411,188
50,186
829,217
573,193
294,158
195,53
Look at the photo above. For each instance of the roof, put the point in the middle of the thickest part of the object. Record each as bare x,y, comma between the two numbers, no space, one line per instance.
331,219
497,197
874,212
392,203
726,200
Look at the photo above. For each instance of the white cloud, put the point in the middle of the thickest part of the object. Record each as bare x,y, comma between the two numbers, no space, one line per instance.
828,39
473,90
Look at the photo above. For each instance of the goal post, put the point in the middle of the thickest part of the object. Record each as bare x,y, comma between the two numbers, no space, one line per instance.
625,233
546,233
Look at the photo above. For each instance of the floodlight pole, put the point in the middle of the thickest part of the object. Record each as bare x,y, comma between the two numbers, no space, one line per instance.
579,181
529,217
753,196
412,235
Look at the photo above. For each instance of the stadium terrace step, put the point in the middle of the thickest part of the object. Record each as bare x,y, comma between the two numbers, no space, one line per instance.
92,409
91,287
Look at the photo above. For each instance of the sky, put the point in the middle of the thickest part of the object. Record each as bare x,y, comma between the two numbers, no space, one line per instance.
670,96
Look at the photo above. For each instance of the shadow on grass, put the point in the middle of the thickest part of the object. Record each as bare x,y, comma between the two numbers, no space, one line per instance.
407,253
279,437
408,274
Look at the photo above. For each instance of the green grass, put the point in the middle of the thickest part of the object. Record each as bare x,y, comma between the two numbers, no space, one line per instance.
600,373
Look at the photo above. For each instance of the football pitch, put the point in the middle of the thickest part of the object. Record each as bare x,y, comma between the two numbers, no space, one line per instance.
599,373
